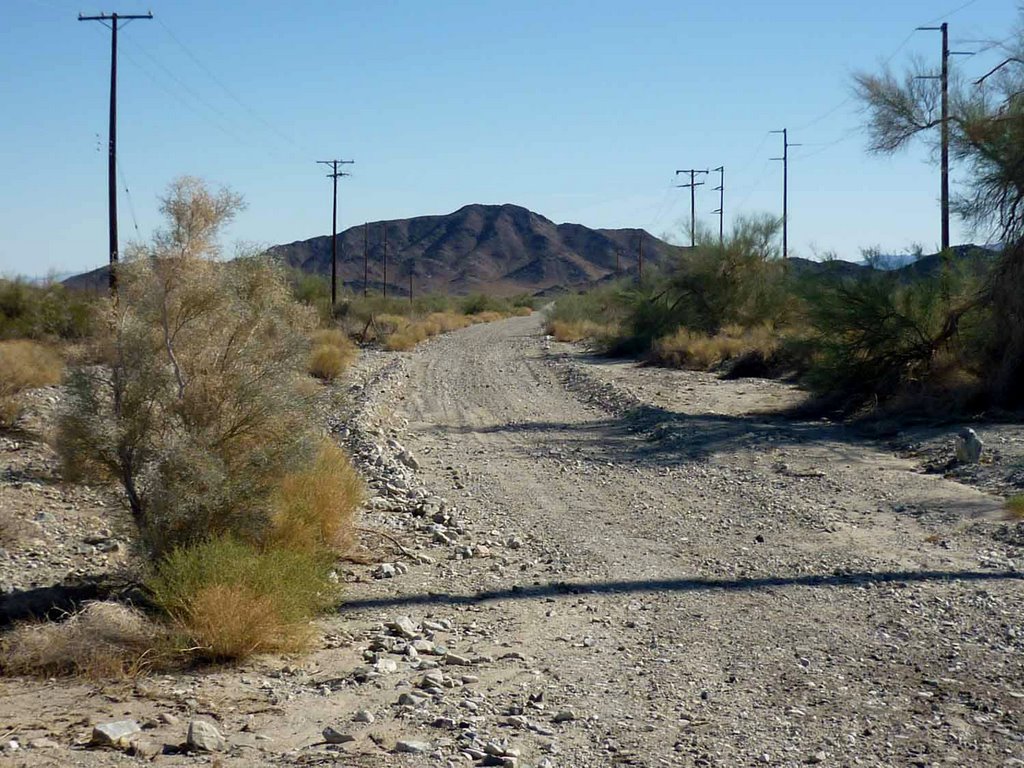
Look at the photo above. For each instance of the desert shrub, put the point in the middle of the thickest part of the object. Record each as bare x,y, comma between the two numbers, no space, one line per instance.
331,355
45,312
487,316
447,321
576,330
878,335
478,303
101,641
24,365
522,311
231,599
406,337
686,349
197,413
1015,507
315,507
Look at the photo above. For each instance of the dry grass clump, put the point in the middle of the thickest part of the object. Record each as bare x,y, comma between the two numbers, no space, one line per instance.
447,321
101,641
231,599
24,365
687,349
575,330
1015,507
487,316
522,311
406,338
315,507
331,355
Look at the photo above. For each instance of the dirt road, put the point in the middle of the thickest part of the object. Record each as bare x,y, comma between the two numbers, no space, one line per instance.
701,586
610,565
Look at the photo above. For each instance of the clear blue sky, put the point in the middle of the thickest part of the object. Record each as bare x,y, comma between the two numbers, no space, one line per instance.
578,110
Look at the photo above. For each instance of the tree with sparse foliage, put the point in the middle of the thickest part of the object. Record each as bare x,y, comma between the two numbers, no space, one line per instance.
196,413
986,133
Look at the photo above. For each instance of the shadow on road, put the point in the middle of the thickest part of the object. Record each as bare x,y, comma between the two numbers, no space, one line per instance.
655,436
554,589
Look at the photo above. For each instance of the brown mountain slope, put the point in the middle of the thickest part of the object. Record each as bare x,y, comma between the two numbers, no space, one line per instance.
501,249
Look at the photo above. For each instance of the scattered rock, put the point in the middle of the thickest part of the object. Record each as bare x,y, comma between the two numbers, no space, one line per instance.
110,734
968,446
204,737
412,747
333,736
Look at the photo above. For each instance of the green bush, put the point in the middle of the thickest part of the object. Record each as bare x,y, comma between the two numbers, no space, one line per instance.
45,312
876,335
232,599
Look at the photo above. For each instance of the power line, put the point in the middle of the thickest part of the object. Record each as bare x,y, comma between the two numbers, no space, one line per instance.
128,196
114,20
231,94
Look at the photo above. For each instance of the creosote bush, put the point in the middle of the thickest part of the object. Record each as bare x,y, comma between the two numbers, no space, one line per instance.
24,365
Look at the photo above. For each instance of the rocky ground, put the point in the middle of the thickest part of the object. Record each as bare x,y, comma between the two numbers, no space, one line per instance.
586,563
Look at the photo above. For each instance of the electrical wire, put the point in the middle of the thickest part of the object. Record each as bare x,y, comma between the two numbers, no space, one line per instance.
231,94
128,197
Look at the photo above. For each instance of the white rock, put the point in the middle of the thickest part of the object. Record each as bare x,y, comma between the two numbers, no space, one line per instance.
204,737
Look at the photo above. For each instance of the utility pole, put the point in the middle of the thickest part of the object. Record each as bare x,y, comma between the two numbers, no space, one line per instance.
693,200
785,189
334,175
410,283
720,189
366,257
618,255
944,127
112,21
384,228
640,261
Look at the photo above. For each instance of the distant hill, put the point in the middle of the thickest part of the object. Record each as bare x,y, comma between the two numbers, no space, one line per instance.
505,250
499,249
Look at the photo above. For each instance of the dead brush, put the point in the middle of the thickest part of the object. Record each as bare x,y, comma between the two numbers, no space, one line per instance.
316,507
103,640
575,330
24,365
689,349
331,355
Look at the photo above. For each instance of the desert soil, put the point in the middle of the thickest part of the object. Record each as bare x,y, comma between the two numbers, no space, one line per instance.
601,564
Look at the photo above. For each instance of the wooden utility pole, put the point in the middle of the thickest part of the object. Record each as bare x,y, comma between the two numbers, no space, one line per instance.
112,21
334,175
693,200
366,257
944,127
785,189
720,189
410,284
640,260
384,227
